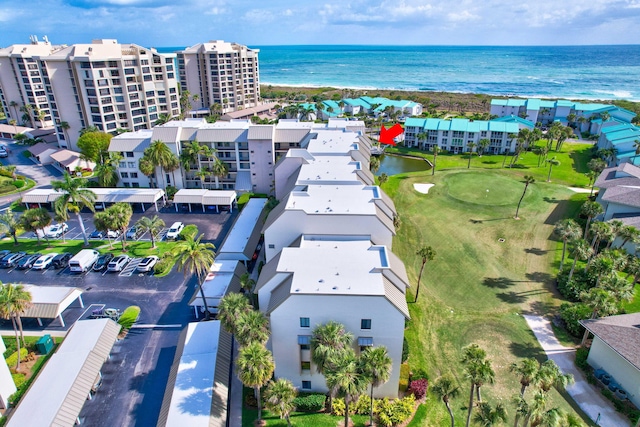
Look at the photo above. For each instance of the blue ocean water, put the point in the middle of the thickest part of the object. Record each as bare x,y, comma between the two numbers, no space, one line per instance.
574,72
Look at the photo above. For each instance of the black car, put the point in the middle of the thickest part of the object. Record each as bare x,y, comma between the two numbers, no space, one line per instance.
27,261
61,260
102,262
11,259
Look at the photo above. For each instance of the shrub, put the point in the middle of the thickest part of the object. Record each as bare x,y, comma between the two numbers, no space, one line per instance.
19,379
419,374
363,405
26,153
18,183
581,358
394,412
7,188
5,172
129,316
404,377
21,177
190,230
310,402
405,350
418,388
339,407
580,282
171,191
571,314
13,359
164,264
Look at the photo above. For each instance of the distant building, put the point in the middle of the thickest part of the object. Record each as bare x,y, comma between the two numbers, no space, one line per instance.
364,105
621,137
220,72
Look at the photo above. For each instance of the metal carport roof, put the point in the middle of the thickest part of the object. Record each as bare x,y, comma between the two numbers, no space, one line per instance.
243,238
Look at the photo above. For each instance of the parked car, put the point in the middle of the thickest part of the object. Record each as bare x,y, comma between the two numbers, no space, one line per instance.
3,151
27,261
61,260
111,234
118,263
83,260
174,230
11,259
44,261
147,263
4,253
102,262
133,233
57,230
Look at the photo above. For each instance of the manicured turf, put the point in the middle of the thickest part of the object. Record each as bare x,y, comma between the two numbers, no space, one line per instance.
477,287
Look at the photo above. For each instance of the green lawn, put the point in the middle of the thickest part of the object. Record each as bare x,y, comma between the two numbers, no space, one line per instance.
477,287
134,249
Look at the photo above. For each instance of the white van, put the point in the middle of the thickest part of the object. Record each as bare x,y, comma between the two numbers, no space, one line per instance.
83,260
174,231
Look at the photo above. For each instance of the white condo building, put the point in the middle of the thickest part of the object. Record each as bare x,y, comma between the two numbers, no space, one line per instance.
103,84
357,283
220,72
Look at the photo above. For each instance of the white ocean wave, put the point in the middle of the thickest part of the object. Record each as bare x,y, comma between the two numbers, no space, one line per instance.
617,93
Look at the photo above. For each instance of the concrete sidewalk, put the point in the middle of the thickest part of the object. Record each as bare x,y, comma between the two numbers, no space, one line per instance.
587,396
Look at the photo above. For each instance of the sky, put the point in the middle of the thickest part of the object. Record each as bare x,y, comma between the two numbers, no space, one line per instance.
154,23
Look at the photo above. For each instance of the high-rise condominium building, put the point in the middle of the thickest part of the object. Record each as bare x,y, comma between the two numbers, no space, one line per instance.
103,84
220,72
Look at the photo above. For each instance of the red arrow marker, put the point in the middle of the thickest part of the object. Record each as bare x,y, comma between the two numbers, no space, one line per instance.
387,135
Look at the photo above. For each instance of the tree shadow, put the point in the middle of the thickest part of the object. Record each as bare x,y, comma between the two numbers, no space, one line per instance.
541,277
498,282
511,297
489,162
527,350
538,307
551,200
518,166
475,221
535,251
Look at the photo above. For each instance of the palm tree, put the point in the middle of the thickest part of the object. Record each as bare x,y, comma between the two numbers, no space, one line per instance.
473,357
482,145
581,251
73,199
488,416
193,152
247,284
567,230
251,326
65,127
470,146
14,301
528,179
421,137
255,368
195,258
426,253
601,302
628,233
219,170
152,225
120,216
202,175
102,221
374,163
446,389
107,171
231,307
172,164
162,119
279,397
590,210
527,370
36,220
146,167
11,222
435,150
550,375
382,178
376,365
483,373
345,375
40,114
160,155
552,162
14,123
14,105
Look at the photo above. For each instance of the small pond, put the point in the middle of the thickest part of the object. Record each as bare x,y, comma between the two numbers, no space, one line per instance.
393,165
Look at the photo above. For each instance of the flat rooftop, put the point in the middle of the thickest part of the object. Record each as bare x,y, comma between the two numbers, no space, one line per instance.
335,199
338,169
333,142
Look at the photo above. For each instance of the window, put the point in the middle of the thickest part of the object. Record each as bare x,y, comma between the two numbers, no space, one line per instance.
124,174
134,174
272,246
131,164
304,341
305,366
306,385
365,324
364,342
129,153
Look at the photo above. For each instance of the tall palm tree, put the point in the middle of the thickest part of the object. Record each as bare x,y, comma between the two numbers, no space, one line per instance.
107,171
231,307
247,284
14,123
470,146
345,375
152,225
482,145
14,105
567,230
172,164
483,373
601,302
146,167
162,119
550,375
581,251
426,253
488,416
473,357
601,231
527,370
552,162
446,389
435,150
11,222
14,301
193,152
279,397
421,137
74,198
195,258
219,170
36,220
628,233
120,216
376,365
202,175
160,155
528,179
251,326
65,128
590,210
255,367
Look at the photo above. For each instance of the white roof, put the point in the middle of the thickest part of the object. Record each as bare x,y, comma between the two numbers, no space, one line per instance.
245,232
221,276
330,170
50,301
205,197
103,195
333,142
335,199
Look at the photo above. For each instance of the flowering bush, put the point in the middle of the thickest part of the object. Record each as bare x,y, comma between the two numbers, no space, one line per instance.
419,388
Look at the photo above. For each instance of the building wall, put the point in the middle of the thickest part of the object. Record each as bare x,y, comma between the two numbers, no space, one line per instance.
262,157
7,386
612,209
386,322
601,356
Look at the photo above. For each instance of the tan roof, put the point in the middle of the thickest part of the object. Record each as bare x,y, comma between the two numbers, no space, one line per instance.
621,333
290,135
42,147
189,195
165,134
125,143
71,159
248,112
260,132
280,294
396,297
40,195
12,130
221,135
49,301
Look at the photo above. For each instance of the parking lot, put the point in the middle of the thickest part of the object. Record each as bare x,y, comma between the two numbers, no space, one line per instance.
135,377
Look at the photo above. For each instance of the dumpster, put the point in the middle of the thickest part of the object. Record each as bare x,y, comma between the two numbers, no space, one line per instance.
44,344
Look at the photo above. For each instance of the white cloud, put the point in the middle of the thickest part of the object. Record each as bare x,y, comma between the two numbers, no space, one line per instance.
259,16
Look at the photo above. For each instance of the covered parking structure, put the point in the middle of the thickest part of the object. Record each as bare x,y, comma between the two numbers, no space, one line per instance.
201,196
197,393
48,302
104,196
241,242
69,378
223,278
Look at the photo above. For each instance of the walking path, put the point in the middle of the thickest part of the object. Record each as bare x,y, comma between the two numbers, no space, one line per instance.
579,190
587,396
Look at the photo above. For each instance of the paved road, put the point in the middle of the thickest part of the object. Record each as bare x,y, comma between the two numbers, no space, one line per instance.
587,396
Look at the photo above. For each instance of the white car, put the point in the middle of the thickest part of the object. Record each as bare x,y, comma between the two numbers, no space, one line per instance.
43,262
147,263
57,230
174,231
118,263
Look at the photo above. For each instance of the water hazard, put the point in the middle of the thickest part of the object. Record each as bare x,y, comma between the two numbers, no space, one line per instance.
393,165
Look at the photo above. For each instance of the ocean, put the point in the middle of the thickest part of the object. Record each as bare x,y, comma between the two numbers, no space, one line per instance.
573,72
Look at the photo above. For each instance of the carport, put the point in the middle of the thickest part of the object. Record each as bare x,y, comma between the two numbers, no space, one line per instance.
197,393
40,196
144,196
223,278
69,378
48,302
243,238
201,196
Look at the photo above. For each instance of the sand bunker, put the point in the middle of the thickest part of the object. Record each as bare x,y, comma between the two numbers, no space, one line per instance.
422,188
